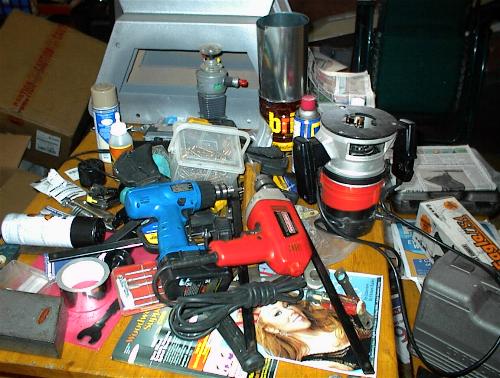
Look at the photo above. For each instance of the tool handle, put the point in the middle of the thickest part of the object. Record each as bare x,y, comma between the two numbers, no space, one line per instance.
343,280
250,248
249,359
172,235
112,309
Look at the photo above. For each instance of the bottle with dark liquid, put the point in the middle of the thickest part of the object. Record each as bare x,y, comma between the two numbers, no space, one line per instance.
279,116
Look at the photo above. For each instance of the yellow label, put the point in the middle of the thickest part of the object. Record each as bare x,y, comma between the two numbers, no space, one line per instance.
284,146
152,237
283,125
280,182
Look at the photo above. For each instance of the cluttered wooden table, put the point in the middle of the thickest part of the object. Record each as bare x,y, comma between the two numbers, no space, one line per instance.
80,361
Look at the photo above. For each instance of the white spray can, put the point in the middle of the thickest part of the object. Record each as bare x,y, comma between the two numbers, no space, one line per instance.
104,108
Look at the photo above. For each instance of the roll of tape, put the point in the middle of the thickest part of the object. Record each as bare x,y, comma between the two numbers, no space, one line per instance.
83,283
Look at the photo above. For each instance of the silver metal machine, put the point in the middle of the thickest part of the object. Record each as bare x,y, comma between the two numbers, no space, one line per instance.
154,52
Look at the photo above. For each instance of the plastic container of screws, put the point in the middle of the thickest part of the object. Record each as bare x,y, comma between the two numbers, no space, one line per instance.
207,152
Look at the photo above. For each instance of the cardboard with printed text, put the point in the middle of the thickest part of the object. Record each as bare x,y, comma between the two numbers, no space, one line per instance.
46,71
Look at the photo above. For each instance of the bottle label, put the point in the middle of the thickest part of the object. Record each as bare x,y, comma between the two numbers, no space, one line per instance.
103,119
40,230
306,128
281,125
116,152
284,146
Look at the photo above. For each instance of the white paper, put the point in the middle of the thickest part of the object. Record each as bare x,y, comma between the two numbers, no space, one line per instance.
58,188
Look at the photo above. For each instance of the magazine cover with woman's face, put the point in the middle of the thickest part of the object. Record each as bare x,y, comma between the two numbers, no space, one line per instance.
309,332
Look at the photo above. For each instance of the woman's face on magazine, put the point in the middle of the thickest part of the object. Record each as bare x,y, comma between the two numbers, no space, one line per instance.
281,316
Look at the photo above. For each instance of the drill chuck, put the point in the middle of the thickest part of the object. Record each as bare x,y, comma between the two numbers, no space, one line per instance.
223,191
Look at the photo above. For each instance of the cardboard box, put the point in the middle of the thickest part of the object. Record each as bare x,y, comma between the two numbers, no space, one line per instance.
15,190
46,71
447,220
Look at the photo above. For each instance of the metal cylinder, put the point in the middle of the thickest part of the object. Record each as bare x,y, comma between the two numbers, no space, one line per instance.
84,284
282,52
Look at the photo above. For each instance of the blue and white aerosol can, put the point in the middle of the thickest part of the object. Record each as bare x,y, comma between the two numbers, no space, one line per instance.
104,107
307,118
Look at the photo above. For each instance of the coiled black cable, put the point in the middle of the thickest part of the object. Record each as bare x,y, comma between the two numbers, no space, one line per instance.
196,316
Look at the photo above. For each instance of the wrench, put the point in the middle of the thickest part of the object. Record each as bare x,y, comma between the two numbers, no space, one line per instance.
94,331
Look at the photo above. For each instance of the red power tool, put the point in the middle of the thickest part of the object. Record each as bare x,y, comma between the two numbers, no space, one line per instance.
276,237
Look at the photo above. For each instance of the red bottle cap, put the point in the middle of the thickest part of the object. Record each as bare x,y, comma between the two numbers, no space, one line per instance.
308,102
243,83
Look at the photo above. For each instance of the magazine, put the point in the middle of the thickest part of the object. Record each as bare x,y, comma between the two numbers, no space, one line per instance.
416,265
308,333
148,341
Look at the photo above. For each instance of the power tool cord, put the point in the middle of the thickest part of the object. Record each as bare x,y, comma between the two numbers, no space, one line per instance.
399,288
196,316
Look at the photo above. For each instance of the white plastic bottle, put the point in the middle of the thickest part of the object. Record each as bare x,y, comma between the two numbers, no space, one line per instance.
120,141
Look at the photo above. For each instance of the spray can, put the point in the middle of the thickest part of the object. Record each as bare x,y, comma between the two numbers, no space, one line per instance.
52,231
307,119
120,141
104,108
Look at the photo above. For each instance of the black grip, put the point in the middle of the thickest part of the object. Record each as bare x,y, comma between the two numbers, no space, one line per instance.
405,151
249,359
308,156
305,169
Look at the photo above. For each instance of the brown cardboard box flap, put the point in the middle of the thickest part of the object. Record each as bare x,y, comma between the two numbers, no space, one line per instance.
12,149
15,190
16,193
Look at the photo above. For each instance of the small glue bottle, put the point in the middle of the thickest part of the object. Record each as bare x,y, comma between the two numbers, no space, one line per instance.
307,119
120,141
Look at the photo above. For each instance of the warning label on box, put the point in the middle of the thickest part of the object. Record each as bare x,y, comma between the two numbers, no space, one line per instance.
50,144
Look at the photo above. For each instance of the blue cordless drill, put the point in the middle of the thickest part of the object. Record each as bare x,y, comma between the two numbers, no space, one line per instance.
170,203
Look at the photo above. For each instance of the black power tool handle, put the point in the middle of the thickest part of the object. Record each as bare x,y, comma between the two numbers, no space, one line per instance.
249,359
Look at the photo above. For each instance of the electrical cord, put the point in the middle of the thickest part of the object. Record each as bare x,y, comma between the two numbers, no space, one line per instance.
397,280
196,316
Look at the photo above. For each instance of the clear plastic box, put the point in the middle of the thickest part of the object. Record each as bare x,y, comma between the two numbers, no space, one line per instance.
17,275
207,152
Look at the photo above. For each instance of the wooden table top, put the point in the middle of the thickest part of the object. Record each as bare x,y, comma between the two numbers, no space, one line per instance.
77,361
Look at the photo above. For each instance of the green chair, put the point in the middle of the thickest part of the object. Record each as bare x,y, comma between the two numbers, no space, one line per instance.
426,64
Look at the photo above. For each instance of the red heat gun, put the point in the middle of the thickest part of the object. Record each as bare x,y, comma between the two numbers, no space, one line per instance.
276,237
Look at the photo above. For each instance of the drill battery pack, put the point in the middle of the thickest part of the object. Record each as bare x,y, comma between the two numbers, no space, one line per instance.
457,319
197,279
